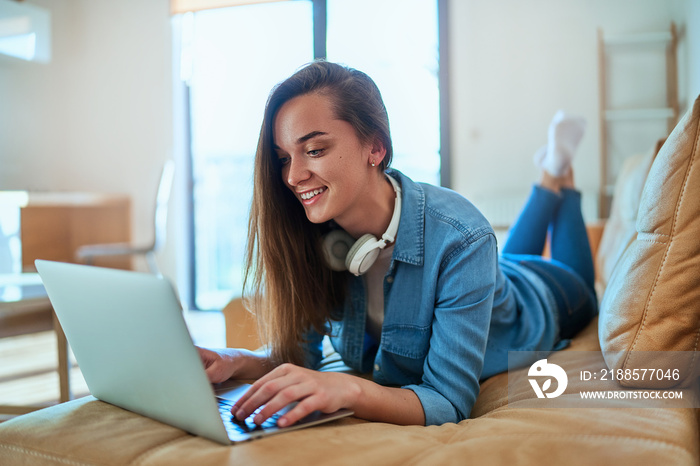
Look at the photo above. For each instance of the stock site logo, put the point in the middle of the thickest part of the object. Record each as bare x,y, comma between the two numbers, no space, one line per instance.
542,369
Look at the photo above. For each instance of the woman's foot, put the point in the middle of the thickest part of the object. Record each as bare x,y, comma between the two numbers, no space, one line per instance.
564,134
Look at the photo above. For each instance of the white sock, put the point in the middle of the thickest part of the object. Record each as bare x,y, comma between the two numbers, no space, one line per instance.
565,133
538,156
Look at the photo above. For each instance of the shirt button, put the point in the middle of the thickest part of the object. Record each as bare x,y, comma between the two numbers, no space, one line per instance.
390,279
376,367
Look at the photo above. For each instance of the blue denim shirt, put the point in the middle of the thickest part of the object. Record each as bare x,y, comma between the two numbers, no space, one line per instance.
452,309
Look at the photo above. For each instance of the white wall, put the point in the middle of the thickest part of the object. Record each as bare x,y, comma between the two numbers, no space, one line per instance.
514,63
98,117
691,14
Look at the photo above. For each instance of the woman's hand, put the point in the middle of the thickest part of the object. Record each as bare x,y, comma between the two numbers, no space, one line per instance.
315,391
219,364
228,363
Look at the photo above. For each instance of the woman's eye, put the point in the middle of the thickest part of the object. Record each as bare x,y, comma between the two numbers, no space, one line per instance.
283,160
315,152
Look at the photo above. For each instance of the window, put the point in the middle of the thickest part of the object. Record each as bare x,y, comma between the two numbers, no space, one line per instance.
238,54
405,68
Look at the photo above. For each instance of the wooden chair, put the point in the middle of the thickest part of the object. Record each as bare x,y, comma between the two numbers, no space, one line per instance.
29,315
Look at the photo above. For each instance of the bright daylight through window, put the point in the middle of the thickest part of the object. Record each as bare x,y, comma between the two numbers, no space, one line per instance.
238,54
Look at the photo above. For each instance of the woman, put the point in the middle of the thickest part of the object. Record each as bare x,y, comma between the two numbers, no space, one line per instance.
437,311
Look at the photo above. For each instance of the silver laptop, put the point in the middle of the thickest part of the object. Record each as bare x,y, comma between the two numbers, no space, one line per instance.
131,342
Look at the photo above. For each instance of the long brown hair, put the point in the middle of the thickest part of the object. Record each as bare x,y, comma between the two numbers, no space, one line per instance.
287,282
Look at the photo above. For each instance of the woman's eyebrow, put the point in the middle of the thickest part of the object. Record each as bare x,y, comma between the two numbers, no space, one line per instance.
303,139
311,135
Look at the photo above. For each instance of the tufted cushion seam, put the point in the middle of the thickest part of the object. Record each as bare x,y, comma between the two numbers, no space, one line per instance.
696,150
144,455
656,234
651,241
43,455
695,348
616,438
677,209
646,308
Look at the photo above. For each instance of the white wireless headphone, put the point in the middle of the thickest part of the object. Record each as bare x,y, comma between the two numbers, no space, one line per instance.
344,253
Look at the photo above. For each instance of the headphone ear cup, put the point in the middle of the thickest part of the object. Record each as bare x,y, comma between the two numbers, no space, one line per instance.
362,254
336,245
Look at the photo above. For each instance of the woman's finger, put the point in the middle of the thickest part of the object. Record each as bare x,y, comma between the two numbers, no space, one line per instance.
248,394
295,392
209,360
205,355
261,393
301,410
278,372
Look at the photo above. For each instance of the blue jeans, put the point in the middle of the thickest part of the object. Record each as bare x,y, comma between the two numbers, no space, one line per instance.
569,273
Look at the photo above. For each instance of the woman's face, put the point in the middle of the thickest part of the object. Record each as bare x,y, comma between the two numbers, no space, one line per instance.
324,163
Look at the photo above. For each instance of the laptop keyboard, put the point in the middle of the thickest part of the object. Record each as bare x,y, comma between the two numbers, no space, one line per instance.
247,425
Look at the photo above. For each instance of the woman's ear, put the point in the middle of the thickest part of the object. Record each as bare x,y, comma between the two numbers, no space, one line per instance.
377,152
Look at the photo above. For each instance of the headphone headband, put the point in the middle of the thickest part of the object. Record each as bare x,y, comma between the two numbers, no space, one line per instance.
344,253
390,235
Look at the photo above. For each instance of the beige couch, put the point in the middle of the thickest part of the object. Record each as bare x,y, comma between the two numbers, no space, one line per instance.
652,303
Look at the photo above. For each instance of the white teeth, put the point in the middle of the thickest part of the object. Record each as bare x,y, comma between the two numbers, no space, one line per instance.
310,194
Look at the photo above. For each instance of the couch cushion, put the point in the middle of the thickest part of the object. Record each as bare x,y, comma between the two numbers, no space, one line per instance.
652,302
493,393
620,226
88,431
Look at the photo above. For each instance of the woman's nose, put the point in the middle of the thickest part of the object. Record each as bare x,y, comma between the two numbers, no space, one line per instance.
297,170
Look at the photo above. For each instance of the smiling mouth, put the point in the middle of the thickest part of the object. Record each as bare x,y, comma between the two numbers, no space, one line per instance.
311,194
